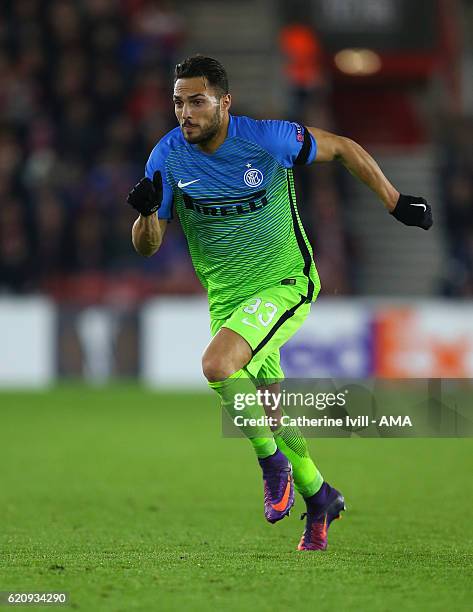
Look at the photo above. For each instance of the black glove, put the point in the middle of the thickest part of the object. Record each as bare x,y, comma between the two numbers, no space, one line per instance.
413,211
146,196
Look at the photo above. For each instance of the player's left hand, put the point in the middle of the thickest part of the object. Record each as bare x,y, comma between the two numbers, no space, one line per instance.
411,210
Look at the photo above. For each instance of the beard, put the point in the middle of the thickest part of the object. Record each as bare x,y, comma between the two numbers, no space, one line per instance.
205,134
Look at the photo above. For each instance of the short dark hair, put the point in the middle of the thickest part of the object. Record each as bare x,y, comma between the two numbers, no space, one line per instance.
202,66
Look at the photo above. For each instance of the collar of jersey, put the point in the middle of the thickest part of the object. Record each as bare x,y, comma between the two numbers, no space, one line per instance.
231,131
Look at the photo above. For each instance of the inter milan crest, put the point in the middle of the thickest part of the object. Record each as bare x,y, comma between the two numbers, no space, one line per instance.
253,177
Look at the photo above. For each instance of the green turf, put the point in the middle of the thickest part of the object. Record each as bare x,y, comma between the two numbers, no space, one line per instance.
131,500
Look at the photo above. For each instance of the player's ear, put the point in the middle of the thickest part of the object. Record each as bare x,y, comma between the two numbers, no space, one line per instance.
226,101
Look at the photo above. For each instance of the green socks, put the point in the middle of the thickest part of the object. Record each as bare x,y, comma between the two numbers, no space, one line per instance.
307,478
261,437
289,440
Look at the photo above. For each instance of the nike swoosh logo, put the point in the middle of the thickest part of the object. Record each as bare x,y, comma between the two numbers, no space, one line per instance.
281,505
181,184
425,207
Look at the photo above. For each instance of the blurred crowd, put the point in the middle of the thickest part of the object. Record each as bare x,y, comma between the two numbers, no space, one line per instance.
85,89
85,93
84,96
457,194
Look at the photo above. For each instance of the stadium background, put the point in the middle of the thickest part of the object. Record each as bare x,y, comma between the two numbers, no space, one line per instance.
87,326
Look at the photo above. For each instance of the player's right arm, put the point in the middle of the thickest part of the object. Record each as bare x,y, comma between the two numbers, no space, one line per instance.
152,197
148,230
147,234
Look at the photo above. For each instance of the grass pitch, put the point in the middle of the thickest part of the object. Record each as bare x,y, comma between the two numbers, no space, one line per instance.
132,500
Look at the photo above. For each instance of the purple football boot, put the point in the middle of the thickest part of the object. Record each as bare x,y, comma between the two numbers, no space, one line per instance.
322,508
278,486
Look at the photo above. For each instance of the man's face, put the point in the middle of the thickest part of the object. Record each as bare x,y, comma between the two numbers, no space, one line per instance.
199,109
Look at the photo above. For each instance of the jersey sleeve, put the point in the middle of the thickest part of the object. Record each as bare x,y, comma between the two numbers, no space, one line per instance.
290,143
156,161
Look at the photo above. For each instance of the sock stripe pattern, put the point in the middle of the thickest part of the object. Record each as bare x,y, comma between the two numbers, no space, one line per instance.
292,436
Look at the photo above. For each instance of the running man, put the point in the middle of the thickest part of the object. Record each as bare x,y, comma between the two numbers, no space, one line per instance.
230,181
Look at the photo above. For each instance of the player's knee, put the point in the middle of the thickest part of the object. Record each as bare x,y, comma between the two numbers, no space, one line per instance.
216,369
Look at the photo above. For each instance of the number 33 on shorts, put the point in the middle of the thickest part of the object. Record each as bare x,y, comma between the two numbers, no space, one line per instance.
264,312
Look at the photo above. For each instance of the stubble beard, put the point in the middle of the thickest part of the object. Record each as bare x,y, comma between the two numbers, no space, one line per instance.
208,133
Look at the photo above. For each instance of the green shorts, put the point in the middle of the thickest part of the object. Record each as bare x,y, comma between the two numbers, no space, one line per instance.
266,321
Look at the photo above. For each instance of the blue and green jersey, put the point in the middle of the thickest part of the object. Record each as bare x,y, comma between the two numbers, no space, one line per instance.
237,207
